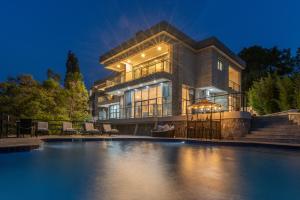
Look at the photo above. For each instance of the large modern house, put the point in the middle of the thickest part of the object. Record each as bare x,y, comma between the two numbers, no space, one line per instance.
161,71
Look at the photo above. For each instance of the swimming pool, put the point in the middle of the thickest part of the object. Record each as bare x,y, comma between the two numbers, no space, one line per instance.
149,170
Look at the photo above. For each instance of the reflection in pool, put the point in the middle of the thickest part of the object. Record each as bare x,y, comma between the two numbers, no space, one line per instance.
149,170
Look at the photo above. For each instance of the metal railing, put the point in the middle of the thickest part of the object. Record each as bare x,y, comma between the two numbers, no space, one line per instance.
236,101
10,126
141,70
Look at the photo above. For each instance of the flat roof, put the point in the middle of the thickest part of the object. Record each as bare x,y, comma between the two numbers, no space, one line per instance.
140,36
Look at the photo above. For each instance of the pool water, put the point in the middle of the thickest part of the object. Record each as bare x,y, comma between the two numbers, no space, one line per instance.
142,170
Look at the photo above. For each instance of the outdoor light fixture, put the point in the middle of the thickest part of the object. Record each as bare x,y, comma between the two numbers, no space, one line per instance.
143,55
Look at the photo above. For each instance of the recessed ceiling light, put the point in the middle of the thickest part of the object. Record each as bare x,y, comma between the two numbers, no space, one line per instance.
118,66
143,55
159,48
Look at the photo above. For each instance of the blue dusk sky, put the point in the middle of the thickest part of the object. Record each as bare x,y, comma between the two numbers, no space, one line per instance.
36,34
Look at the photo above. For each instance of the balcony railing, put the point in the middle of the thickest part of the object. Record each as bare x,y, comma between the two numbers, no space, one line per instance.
234,86
140,71
157,107
143,111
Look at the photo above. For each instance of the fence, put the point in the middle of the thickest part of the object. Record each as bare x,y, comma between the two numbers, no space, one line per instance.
10,126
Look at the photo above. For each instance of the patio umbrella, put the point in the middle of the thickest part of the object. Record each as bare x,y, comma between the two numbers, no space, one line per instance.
204,104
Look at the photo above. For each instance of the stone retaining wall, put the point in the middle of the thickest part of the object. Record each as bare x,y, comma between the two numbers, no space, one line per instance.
234,125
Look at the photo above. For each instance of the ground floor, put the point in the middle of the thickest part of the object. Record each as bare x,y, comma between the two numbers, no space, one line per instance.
161,98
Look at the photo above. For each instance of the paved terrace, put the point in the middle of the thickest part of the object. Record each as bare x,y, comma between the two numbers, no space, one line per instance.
27,144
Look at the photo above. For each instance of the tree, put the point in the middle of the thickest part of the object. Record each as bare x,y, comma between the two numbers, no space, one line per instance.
262,95
262,61
76,91
72,66
53,75
296,82
286,92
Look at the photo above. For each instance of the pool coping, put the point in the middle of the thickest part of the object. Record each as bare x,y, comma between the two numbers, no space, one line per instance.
28,144
187,140
10,145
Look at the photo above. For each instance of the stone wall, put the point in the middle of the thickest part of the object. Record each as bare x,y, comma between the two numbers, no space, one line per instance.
235,128
233,124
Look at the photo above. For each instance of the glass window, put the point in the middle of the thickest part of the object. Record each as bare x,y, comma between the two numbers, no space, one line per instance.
137,73
137,95
159,67
151,69
114,111
102,114
187,97
145,94
220,65
144,71
152,92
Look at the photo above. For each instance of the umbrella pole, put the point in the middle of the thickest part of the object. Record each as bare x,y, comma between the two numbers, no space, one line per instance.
210,132
187,119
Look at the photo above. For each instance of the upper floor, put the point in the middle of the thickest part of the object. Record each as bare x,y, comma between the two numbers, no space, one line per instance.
164,52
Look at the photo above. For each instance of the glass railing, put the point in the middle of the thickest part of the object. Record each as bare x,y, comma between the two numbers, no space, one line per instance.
143,109
140,71
234,86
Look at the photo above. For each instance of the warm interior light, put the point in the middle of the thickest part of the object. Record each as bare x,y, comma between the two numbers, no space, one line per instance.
143,55
118,66
159,48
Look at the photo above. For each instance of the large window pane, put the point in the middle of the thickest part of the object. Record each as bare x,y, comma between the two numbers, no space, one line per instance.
137,95
152,92
145,94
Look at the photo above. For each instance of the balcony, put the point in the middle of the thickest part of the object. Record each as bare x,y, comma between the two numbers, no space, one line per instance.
234,86
140,71
143,110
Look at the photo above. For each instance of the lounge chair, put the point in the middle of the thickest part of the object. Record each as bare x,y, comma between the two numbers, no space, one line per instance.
107,129
67,128
163,131
89,128
42,127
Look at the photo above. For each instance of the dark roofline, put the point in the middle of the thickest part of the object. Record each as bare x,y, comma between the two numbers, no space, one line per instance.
165,26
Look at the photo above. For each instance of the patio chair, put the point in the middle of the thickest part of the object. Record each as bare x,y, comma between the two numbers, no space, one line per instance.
163,131
90,129
67,128
42,127
107,129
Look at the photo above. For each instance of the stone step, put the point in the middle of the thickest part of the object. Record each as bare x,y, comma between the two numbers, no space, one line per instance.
274,130
274,136
279,126
266,133
294,141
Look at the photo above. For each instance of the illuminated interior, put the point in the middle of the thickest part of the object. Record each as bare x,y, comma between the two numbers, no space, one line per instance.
234,79
159,50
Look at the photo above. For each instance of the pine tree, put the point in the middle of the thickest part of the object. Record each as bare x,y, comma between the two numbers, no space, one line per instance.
77,94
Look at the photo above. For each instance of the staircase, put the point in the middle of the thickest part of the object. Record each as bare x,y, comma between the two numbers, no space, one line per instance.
277,128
